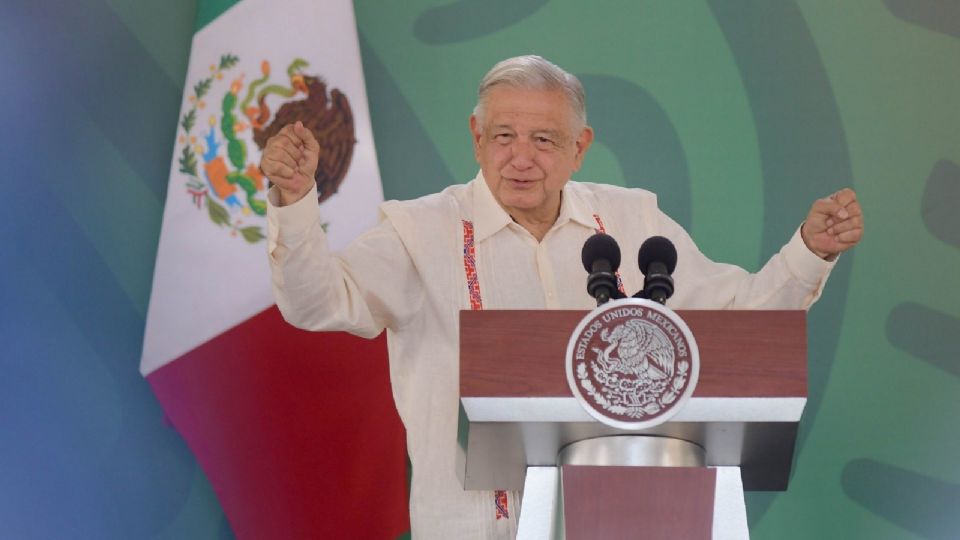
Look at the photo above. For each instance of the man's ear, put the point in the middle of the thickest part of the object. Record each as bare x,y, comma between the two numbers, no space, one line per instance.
584,140
475,135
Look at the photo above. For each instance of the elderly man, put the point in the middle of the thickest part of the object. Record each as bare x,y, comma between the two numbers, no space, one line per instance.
510,238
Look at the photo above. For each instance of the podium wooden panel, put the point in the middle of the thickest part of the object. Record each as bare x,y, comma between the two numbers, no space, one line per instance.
520,353
653,503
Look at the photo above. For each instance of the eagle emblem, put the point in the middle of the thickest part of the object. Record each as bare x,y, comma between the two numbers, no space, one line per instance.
218,159
631,362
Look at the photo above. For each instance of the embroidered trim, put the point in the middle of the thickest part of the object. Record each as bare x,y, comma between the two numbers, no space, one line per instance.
600,227
470,267
602,230
476,304
500,498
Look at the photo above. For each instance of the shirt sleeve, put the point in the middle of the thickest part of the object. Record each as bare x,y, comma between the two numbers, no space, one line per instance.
792,279
369,286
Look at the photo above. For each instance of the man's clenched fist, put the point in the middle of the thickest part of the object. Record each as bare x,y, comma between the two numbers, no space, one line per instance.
290,161
834,224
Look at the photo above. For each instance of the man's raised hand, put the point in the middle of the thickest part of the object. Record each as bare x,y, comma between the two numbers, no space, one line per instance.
834,224
289,160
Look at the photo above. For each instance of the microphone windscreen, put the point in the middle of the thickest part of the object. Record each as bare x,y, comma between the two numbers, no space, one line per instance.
600,246
657,249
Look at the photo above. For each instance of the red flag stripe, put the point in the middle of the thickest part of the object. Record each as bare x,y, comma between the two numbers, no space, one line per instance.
297,431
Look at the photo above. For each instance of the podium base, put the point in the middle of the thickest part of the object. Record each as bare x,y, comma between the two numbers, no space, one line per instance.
632,487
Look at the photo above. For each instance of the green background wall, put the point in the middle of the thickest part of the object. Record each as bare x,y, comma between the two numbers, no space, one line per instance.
738,114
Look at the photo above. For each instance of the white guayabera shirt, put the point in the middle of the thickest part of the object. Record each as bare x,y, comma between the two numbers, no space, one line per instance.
407,276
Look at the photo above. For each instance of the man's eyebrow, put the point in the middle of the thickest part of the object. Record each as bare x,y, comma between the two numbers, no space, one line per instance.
554,133
503,126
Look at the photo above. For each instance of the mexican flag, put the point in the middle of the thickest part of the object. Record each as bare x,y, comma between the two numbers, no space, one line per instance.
296,430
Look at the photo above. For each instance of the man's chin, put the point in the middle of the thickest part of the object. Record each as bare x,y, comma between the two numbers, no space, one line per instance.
523,204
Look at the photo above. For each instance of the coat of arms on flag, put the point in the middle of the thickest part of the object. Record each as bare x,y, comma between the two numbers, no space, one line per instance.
221,176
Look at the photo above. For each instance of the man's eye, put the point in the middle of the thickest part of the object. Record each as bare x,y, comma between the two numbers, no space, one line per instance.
543,141
502,137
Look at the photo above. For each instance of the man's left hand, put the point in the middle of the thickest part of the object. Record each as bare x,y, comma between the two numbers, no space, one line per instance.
834,224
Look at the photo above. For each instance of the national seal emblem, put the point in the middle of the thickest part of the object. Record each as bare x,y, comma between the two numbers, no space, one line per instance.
632,363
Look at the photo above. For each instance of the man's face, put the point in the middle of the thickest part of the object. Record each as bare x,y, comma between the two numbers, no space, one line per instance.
527,149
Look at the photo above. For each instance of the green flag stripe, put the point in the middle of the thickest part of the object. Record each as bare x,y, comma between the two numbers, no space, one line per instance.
208,10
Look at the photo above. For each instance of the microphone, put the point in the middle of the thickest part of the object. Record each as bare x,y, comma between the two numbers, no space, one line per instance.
601,259
658,259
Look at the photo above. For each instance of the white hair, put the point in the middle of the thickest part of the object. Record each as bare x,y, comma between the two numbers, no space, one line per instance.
533,72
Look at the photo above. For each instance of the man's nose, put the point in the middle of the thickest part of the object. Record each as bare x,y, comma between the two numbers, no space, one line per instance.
523,153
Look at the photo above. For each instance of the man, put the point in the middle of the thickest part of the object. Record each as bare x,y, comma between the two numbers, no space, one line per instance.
511,238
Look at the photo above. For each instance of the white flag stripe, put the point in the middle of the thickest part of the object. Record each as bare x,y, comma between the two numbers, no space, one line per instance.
206,280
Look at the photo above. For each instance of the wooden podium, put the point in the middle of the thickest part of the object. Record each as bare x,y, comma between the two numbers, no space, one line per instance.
520,428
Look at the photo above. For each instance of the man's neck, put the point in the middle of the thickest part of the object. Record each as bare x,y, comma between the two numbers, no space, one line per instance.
537,224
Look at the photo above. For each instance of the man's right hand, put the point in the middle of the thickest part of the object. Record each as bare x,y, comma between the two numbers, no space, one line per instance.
289,160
